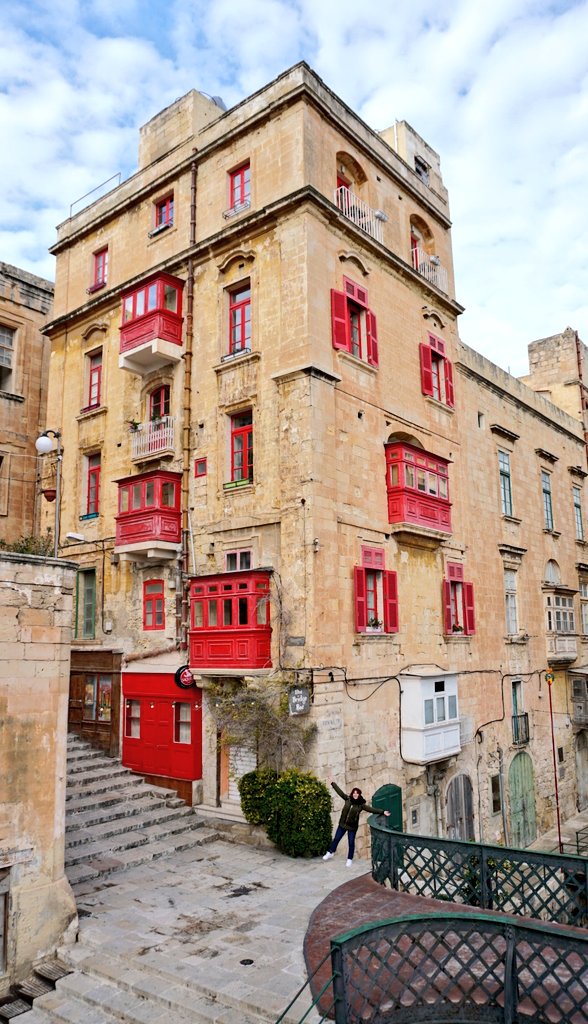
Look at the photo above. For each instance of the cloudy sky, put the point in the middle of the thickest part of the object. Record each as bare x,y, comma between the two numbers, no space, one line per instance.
500,90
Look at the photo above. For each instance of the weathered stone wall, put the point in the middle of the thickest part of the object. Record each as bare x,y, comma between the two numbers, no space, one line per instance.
35,630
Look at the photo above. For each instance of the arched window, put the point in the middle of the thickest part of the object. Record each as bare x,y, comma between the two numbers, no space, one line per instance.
552,573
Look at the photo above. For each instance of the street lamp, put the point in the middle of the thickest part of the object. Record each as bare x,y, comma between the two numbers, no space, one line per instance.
44,445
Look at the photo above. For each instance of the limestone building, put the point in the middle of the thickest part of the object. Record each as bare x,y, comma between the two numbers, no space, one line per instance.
280,461
25,304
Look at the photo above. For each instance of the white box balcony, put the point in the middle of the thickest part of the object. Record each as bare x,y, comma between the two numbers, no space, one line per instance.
362,215
154,439
430,268
561,648
429,715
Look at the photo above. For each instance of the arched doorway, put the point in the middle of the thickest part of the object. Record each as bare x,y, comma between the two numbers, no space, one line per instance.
460,809
521,788
582,769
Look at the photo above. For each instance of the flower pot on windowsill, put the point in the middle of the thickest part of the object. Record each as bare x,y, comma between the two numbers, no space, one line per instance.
374,626
133,426
49,493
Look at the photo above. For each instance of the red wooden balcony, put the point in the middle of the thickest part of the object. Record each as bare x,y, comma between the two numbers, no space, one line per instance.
148,520
230,622
418,488
151,328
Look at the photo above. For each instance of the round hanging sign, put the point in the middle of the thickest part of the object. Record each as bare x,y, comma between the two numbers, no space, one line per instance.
184,678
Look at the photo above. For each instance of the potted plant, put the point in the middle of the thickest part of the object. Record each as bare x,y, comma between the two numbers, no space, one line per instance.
133,425
374,625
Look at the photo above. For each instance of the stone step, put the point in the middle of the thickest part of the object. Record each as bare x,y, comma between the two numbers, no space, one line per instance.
99,867
112,810
97,774
171,817
109,797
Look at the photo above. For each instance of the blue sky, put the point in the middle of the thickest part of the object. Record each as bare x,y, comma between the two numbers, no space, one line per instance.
500,91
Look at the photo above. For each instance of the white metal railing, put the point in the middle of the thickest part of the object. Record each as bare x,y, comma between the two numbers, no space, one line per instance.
360,213
430,268
154,437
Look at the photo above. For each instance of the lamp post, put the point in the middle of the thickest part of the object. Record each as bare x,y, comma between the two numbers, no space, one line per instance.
44,445
549,677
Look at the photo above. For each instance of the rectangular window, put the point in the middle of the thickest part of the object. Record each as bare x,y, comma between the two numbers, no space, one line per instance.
242,446
578,520
93,464
440,708
164,212
98,698
159,402
237,561
200,467
505,483
85,624
133,719
7,339
584,607
240,319
153,605
354,327
100,269
496,795
182,722
560,614
458,601
436,371
240,188
94,379
376,600
547,504
510,601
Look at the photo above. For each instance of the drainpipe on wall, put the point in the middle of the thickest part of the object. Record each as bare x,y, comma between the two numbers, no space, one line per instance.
581,379
502,801
182,591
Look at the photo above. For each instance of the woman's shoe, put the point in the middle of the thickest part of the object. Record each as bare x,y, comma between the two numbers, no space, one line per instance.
328,855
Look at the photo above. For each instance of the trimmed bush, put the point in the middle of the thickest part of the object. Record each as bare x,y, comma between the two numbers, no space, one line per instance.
255,790
299,821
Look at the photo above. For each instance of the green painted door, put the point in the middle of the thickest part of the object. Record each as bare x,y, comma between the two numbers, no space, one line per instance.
389,798
521,790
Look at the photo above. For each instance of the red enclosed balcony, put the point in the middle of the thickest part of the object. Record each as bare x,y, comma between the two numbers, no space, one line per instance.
418,488
148,520
151,328
230,621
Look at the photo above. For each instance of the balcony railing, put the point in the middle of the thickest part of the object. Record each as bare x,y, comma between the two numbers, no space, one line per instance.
514,881
430,268
561,647
520,728
153,438
360,213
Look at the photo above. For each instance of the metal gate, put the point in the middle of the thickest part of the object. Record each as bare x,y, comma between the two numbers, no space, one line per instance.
521,786
460,809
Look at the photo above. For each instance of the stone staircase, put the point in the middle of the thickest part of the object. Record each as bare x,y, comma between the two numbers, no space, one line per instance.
115,820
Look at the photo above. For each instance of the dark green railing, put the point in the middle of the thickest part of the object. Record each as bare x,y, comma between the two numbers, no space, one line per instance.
525,883
460,966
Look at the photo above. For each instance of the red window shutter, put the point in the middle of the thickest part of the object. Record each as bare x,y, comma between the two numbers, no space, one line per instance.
448,382
372,338
360,599
390,591
468,608
437,344
426,369
355,292
447,606
339,320
455,571
372,558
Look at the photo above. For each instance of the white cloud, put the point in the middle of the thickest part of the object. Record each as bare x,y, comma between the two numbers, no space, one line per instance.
500,90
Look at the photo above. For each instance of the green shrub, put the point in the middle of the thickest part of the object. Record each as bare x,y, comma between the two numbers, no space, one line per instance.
255,790
299,821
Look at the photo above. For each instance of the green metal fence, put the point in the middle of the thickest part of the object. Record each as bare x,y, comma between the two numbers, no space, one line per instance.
525,883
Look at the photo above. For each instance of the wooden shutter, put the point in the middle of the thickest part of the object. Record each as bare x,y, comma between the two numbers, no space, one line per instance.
455,571
426,369
390,591
355,292
372,338
360,599
446,606
468,608
372,558
448,370
340,323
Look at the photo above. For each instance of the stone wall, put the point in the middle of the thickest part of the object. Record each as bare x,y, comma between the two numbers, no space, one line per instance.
35,628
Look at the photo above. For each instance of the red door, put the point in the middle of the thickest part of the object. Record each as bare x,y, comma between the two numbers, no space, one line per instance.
163,727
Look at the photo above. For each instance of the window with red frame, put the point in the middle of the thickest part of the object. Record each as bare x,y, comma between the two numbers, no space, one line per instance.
436,371
153,605
162,295
159,402
94,379
100,268
458,602
354,325
200,467
242,446
240,319
164,212
240,187
93,463
376,594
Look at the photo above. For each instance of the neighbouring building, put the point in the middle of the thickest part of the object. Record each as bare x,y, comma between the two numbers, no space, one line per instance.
37,906
280,461
25,304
